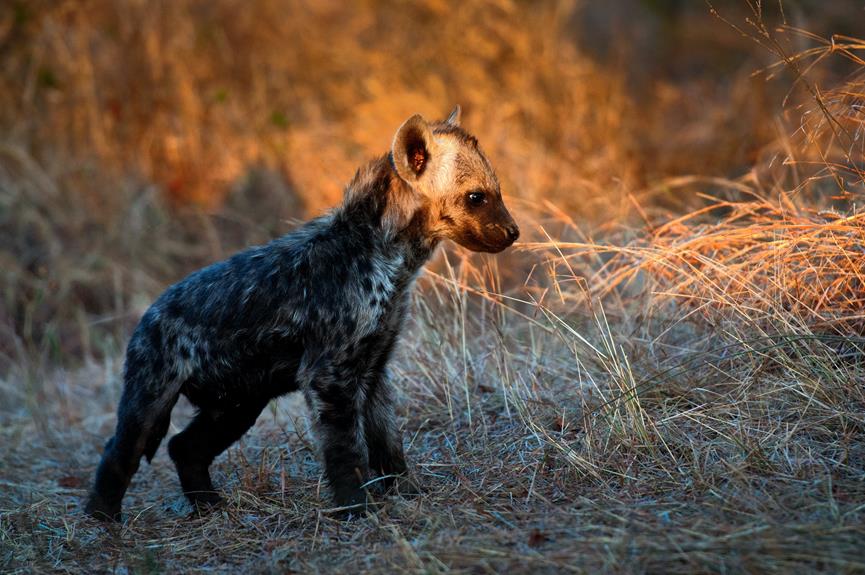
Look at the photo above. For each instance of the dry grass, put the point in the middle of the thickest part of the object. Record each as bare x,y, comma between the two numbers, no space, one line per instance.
666,376
760,264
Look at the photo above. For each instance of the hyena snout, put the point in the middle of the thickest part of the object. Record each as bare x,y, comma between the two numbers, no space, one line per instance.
506,235
491,236
512,232
502,232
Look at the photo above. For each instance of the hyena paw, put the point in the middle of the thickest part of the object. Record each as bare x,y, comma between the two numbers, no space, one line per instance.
204,501
98,508
350,503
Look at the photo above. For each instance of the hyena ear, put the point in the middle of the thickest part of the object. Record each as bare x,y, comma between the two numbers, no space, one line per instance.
455,117
412,148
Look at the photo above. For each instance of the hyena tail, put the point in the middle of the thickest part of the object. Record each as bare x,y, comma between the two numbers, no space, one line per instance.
143,418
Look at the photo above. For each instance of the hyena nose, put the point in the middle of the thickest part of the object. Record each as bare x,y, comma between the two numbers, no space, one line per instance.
513,232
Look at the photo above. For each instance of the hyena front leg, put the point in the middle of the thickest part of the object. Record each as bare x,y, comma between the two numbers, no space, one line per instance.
383,438
336,404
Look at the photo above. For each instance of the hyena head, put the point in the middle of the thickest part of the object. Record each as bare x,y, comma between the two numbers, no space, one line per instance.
452,184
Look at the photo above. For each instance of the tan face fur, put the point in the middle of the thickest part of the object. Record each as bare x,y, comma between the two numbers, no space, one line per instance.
453,183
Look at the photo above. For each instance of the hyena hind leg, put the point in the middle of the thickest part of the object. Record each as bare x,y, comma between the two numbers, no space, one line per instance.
143,417
210,433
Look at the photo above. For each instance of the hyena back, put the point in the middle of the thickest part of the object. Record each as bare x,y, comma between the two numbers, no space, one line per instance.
318,310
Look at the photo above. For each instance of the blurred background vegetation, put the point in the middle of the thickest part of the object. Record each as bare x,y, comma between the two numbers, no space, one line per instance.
141,139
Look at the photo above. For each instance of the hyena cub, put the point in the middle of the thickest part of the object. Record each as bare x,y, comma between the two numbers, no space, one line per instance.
318,310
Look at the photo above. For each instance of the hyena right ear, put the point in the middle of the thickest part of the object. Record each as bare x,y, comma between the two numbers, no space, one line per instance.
412,148
456,115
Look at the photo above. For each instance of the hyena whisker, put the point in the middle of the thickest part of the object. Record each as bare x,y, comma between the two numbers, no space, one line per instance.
318,310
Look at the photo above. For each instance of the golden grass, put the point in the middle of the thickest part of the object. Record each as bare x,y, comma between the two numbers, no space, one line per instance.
758,263
191,93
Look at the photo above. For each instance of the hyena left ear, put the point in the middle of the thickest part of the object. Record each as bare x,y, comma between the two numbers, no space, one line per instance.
412,148
456,115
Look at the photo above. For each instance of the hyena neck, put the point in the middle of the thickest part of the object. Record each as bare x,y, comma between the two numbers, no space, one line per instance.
381,205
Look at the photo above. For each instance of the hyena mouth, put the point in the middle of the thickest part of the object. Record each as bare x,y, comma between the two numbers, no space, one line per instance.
486,246
507,235
499,248
496,238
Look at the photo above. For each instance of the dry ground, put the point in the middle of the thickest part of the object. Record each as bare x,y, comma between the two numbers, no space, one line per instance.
739,458
550,431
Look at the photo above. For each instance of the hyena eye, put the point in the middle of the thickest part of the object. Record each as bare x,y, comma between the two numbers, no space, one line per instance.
477,198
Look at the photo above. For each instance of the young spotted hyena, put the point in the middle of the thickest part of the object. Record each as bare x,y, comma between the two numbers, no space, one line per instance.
318,310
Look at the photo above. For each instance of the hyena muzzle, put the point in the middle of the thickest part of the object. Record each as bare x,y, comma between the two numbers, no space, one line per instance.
318,311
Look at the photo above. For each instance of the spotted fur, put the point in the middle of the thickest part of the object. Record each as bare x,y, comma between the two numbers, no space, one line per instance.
318,310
